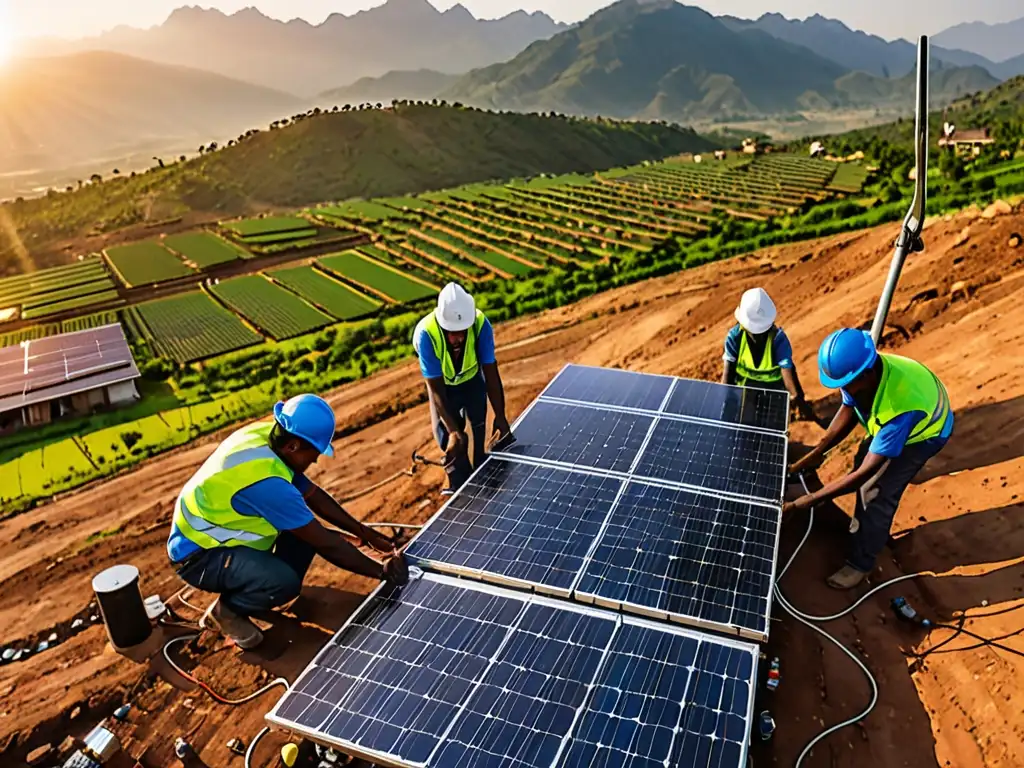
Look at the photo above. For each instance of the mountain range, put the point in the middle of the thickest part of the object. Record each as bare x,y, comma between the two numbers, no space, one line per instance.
998,42
306,59
658,59
63,110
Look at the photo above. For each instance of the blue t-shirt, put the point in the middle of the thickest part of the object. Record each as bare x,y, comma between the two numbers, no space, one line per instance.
430,365
782,350
276,500
892,437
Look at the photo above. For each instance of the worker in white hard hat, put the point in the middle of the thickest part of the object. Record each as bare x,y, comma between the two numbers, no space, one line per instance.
455,346
758,352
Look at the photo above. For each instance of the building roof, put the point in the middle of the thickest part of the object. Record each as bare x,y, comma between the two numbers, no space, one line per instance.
969,136
58,366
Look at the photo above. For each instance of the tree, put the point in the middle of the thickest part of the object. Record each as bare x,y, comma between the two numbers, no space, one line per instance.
212,147
202,149
952,165
181,159
95,178
117,171
159,162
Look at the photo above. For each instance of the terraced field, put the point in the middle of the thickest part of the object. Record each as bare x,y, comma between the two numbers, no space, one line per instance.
204,249
325,292
366,272
270,307
189,327
473,235
146,263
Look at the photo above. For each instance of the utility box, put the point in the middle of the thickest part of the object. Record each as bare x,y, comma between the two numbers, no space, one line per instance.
121,605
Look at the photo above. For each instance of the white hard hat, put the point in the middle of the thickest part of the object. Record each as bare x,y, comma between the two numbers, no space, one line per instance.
456,310
756,312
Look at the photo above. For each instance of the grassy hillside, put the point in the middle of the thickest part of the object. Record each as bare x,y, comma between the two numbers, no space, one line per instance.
63,110
404,85
337,156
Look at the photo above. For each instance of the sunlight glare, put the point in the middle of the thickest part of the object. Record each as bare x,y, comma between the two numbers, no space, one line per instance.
6,35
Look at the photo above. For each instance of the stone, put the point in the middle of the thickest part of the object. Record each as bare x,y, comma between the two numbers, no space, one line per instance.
38,755
1015,240
998,208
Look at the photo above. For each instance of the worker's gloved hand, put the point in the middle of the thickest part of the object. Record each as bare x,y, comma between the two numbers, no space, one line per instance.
396,570
502,436
804,411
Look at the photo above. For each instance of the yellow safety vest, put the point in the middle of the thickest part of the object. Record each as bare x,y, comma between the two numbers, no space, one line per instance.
765,372
204,514
908,386
470,366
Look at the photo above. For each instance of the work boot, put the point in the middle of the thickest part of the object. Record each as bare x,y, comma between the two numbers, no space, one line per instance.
846,577
220,618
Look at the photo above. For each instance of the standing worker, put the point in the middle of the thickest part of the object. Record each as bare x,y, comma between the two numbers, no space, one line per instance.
455,347
906,412
244,526
758,352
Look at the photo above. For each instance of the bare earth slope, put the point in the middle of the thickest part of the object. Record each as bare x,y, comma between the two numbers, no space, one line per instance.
959,709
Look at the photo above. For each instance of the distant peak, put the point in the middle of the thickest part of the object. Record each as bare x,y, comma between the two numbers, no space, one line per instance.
410,6
187,13
459,11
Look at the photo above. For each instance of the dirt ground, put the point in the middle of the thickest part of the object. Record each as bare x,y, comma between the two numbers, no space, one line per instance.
958,310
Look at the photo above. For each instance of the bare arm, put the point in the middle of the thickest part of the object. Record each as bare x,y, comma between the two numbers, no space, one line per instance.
792,382
326,508
844,485
728,372
333,547
842,425
496,395
435,388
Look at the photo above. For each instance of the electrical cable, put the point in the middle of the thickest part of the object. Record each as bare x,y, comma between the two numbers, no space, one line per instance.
984,640
280,681
252,746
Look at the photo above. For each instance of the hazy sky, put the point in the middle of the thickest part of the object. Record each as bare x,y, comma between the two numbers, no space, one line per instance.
889,18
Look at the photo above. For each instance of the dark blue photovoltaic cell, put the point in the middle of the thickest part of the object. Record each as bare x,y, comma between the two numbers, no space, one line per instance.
520,521
393,680
528,700
654,687
716,458
576,434
608,386
734,405
690,555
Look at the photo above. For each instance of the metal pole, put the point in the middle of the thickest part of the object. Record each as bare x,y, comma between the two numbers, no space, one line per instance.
909,240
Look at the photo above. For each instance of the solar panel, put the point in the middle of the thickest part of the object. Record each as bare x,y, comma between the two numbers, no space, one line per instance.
609,386
716,458
519,524
455,674
578,435
763,408
690,557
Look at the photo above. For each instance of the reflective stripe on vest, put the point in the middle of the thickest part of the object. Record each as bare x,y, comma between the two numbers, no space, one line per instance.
470,367
766,371
204,513
908,386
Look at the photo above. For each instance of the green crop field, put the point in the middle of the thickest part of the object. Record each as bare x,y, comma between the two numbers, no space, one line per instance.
203,248
146,263
192,327
268,226
106,297
333,297
281,237
279,313
371,274
28,334
86,322
74,292
850,178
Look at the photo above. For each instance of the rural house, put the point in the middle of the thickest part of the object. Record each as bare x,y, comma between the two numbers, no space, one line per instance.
969,141
69,374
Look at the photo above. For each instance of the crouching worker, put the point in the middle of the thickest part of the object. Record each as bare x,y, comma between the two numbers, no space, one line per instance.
244,526
455,347
905,410
758,353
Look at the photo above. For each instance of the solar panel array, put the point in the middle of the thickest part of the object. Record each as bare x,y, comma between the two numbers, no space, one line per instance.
463,675
62,365
653,496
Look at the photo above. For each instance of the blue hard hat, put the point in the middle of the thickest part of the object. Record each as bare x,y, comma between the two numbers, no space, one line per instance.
844,356
308,417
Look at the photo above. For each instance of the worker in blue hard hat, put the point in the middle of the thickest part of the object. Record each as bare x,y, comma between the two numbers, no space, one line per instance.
906,412
455,347
758,352
245,527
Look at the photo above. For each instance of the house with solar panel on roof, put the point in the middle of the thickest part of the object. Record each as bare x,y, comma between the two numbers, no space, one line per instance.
71,374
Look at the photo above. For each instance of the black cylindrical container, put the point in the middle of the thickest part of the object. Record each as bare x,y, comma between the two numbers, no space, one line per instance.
117,591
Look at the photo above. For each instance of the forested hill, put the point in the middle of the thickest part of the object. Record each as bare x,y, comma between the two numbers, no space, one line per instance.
334,156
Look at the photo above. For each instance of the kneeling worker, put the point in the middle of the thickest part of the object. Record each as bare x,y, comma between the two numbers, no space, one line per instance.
244,525
906,412
758,352
455,347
